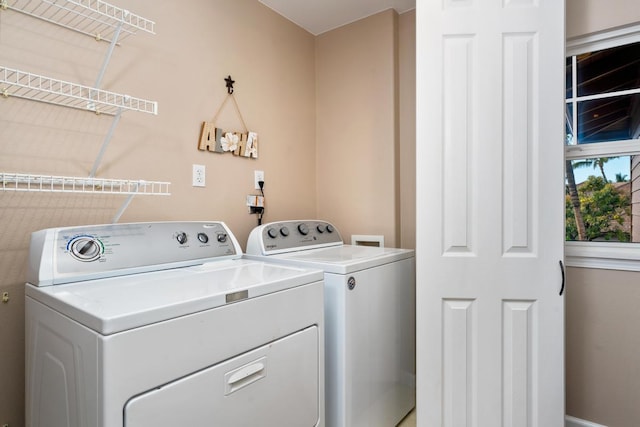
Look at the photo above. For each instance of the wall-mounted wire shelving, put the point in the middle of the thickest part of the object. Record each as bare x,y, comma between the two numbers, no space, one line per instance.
94,18
70,184
22,84
19,182
103,22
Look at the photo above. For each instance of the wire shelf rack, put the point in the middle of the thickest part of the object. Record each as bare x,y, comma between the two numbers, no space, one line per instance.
22,84
94,18
104,22
68,184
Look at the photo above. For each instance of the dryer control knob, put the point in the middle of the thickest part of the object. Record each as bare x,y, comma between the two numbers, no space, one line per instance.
85,249
222,237
272,232
330,228
303,229
203,237
181,237
321,228
284,231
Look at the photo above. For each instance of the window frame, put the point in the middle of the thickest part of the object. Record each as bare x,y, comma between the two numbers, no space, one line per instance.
602,255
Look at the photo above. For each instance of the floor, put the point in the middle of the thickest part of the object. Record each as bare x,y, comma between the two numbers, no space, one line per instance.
409,420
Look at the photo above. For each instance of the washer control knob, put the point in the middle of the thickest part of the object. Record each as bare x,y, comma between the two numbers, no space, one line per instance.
222,237
330,228
85,249
321,228
284,231
181,237
203,238
303,229
272,232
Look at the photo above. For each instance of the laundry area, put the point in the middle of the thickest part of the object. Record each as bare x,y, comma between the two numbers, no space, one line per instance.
217,212
201,121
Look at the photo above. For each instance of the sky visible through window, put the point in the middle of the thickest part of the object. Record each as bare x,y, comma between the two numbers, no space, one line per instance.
618,165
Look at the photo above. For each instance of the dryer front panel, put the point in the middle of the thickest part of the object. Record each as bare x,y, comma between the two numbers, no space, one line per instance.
274,385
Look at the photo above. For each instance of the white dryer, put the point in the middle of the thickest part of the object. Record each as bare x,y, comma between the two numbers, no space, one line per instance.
369,318
164,324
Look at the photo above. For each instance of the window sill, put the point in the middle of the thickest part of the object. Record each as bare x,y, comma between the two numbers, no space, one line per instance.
603,255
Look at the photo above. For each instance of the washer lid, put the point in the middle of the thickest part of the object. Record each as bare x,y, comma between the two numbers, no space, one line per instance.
116,304
342,259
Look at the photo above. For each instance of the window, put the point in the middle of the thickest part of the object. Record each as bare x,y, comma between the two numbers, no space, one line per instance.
602,150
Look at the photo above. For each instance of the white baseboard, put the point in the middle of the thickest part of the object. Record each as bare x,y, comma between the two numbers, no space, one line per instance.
570,421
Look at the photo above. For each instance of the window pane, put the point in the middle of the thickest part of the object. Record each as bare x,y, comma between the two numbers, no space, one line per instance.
609,70
568,126
568,74
599,199
608,119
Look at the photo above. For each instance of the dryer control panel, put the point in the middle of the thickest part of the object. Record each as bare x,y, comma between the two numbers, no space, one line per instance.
288,236
71,254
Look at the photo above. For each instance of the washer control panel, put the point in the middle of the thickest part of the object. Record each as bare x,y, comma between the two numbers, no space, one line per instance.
288,236
69,254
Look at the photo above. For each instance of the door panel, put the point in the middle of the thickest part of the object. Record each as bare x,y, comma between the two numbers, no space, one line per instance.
519,365
459,216
459,361
519,157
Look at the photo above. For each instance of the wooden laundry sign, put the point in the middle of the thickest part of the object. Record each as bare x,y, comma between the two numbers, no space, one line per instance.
216,140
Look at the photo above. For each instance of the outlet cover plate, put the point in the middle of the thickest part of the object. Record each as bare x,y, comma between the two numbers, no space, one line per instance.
257,176
198,175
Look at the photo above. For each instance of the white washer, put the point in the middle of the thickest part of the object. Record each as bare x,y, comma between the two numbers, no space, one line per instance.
163,324
369,318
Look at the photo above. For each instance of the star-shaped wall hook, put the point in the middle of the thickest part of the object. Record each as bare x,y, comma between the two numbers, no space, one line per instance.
230,83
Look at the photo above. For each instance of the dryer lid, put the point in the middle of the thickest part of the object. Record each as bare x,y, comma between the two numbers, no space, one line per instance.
116,304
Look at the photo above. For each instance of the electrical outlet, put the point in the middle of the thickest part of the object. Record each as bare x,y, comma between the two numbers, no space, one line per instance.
257,176
198,175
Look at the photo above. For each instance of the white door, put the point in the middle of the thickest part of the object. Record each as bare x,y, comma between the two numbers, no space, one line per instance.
490,214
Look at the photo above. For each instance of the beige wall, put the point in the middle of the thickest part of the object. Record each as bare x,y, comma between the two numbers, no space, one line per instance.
407,107
603,346
357,132
602,340
182,67
589,16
